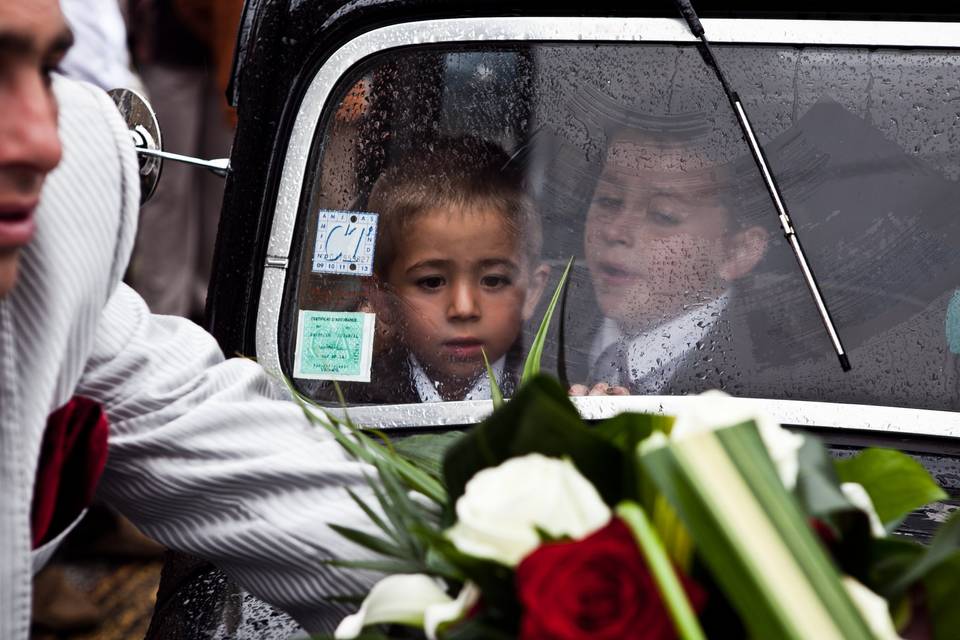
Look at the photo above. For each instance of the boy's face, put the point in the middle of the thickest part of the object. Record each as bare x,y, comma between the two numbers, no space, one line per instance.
33,39
461,283
658,237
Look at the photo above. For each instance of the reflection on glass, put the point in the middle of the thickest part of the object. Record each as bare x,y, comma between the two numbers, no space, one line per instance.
664,246
489,167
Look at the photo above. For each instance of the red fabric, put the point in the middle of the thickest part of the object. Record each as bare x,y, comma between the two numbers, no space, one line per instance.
597,588
72,457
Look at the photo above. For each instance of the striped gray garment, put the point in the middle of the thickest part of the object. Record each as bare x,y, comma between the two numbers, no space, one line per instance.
203,456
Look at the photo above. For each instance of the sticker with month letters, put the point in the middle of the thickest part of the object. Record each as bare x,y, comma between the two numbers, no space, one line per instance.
345,242
334,345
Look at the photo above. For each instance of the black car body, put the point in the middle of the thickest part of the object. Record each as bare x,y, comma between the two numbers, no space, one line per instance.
889,78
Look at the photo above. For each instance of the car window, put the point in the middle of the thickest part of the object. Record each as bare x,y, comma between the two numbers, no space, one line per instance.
448,186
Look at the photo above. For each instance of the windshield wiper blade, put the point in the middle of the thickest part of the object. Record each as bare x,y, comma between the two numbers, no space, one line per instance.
693,22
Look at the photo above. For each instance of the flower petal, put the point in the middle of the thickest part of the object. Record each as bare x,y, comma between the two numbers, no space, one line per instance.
721,410
857,494
439,614
503,507
873,608
400,599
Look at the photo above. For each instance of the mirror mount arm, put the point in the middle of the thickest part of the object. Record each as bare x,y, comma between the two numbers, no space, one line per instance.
218,166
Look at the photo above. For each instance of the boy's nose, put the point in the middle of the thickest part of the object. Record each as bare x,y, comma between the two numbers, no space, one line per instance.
463,302
619,231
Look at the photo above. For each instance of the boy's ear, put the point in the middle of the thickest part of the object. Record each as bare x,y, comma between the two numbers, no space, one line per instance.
538,282
377,300
745,249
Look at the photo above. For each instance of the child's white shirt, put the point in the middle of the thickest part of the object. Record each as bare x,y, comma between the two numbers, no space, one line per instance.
427,388
652,356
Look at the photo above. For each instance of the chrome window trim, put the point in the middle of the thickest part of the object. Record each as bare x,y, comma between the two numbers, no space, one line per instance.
802,413
569,29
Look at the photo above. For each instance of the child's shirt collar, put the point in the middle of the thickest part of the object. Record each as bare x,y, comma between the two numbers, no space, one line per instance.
653,356
427,388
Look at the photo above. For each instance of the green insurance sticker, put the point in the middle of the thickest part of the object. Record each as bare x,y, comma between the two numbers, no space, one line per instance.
334,345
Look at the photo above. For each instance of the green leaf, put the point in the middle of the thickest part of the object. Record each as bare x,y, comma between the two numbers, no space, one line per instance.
818,490
371,542
674,597
476,627
531,365
371,514
818,486
539,419
944,545
674,535
626,431
426,450
889,558
495,394
897,483
942,588
395,514
381,566
417,479
752,535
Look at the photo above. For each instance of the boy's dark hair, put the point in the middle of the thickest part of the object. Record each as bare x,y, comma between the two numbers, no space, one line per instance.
465,172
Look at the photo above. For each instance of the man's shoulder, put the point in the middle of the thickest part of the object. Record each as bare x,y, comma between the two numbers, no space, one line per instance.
93,195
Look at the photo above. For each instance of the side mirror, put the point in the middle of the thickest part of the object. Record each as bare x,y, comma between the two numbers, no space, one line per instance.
145,133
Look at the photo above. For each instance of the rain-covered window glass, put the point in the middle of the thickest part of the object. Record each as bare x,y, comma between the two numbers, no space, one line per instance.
450,187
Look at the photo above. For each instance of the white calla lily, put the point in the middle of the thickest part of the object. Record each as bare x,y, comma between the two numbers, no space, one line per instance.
503,507
724,411
858,496
439,614
397,599
872,608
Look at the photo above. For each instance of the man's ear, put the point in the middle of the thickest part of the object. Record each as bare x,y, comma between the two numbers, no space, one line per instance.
538,281
745,249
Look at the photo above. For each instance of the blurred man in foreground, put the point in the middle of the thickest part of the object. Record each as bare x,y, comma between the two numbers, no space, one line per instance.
193,448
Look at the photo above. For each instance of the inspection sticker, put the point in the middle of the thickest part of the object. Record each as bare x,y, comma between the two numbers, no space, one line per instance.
334,345
345,242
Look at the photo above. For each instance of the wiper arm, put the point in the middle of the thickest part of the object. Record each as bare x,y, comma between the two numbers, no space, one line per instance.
789,232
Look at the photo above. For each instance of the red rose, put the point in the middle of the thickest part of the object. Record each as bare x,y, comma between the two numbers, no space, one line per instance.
597,588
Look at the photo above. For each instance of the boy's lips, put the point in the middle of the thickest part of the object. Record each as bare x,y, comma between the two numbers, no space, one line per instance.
614,275
17,225
463,347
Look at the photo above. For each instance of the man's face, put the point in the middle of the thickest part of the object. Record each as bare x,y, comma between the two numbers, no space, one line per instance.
462,285
657,237
33,40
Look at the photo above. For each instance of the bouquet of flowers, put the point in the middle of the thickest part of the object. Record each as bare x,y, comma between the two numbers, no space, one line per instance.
715,523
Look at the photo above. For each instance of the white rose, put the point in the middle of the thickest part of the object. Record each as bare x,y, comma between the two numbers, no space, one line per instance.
873,609
723,411
502,507
859,497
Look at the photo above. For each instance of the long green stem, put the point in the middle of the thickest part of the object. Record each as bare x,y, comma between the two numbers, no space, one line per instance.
495,394
683,616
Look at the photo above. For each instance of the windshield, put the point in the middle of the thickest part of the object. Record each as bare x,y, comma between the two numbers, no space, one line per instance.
450,186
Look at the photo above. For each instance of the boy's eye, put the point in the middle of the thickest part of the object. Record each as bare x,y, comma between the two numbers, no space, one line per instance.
609,202
51,65
47,72
430,282
494,281
663,218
